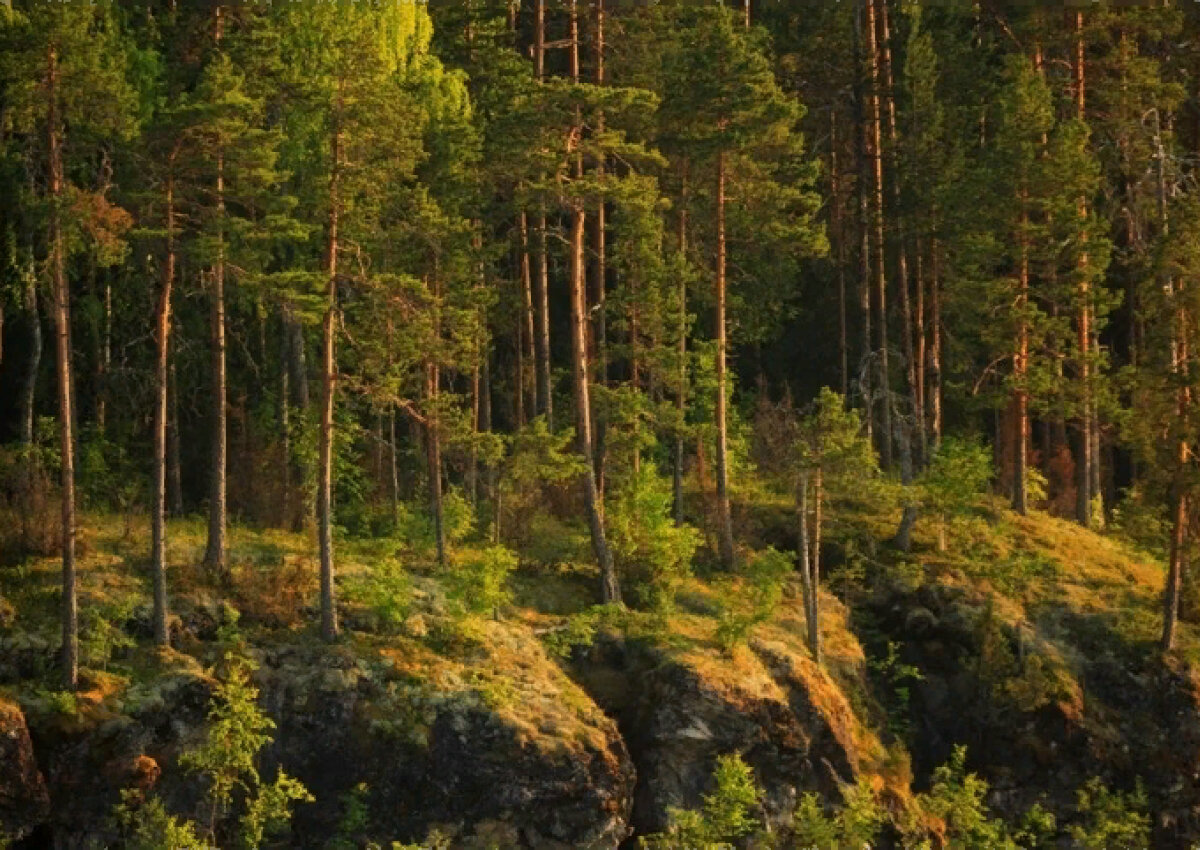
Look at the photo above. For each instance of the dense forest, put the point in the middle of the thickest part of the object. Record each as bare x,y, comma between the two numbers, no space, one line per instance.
549,423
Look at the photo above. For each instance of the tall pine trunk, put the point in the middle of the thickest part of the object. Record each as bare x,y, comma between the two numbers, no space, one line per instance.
542,288
33,362
215,555
724,516
1020,400
329,619
62,327
162,328
1084,494
875,150
599,298
610,590
681,394
839,237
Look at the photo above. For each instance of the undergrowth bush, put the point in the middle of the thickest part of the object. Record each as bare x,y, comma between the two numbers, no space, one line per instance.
238,807
479,584
725,817
653,554
754,600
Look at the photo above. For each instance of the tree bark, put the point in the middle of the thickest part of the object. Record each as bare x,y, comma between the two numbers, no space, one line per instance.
839,236
875,150
542,293
526,357
934,394
1020,399
174,466
162,325
681,394
33,362
62,322
329,618
724,517
1083,501
214,555
599,287
906,312
610,591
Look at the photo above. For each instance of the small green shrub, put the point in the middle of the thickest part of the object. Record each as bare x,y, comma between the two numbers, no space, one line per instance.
1111,820
957,799
652,553
145,824
386,593
755,600
580,629
725,816
480,583
855,824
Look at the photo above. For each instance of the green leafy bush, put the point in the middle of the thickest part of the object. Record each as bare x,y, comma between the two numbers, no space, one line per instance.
226,759
753,602
957,800
480,583
653,554
725,816
386,593
856,823
1111,820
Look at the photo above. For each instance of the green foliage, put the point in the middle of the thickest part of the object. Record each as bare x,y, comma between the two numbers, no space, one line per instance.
652,552
145,824
898,677
957,799
725,817
385,591
957,474
226,759
480,583
856,823
753,601
1111,820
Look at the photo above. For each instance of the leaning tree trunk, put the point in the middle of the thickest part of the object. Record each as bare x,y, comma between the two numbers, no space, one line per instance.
610,590
62,323
724,517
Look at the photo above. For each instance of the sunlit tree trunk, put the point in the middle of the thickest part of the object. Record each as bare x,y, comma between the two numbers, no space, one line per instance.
329,618
875,150
724,517
162,328
62,326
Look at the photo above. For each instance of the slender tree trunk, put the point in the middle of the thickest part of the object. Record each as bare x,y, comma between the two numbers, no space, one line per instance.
1171,592
1020,400
162,325
433,430
862,146
724,517
935,346
33,362
542,293
214,555
526,357
814,624
104,361
681,394
921,354
285,422
610,590
62,323
876,153
174,466
839,236
329,618
600,321
906,313
1083,502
